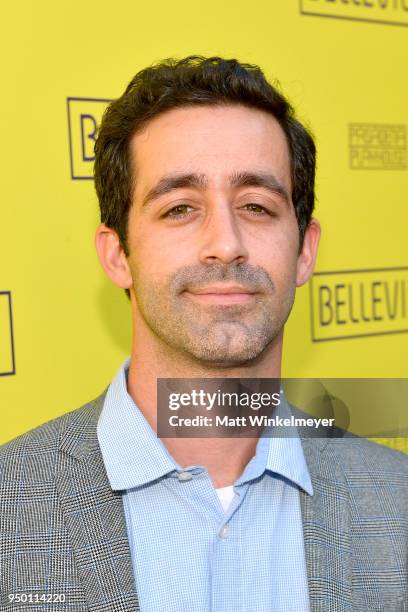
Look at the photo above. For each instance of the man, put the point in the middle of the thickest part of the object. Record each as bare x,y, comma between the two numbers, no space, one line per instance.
206,186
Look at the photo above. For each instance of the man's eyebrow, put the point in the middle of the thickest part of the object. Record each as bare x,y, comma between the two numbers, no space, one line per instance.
172,182
199,181
260,179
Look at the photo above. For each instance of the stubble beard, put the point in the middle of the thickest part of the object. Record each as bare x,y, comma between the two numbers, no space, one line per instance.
213,335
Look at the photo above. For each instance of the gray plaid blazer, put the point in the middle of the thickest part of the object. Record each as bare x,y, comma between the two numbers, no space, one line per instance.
63,530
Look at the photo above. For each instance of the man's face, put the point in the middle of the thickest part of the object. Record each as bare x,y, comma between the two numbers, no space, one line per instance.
212,234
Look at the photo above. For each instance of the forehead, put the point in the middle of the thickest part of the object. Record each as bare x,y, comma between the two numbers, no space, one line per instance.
215,141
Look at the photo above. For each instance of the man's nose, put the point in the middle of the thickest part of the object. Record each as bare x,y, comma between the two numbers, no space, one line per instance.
221,239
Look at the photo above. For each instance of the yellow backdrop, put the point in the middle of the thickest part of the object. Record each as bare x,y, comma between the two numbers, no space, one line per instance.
63,328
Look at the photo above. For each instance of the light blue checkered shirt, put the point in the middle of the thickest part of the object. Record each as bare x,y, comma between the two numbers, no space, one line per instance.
188,554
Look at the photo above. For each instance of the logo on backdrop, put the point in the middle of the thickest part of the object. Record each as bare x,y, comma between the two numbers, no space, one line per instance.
84,117
377,146
392,12
356,303
7,360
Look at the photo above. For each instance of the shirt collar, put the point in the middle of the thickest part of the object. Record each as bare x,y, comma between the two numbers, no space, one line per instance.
133,454
281,456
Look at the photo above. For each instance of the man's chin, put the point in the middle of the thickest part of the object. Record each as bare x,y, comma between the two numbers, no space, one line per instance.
227,362
222,358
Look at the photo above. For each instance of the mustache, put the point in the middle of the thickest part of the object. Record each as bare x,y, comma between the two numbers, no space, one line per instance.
253,278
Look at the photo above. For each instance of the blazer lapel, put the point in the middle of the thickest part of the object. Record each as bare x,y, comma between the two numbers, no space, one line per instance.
326,528
94,517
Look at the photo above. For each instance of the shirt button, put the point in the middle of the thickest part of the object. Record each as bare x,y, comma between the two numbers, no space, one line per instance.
224,531
185,476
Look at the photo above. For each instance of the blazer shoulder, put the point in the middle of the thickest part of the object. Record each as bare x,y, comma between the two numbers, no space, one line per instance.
45,439
356,453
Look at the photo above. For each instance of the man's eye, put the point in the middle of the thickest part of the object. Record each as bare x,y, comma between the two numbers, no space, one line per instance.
256,209
177,211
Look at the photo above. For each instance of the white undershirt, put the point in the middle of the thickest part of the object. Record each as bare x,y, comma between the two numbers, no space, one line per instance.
226,495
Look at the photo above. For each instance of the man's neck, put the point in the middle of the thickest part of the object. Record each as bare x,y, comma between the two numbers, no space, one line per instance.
225,458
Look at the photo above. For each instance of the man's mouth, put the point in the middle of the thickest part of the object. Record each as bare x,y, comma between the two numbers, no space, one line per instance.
222,294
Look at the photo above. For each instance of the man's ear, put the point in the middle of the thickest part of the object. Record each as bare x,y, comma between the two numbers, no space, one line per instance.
112,256
307,256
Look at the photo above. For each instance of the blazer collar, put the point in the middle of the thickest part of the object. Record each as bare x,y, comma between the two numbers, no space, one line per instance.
326,529
94,517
